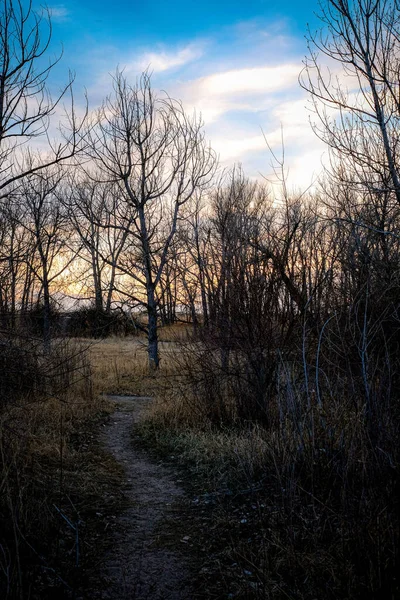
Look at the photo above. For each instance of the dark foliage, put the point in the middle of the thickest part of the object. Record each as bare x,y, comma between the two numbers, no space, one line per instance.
92,323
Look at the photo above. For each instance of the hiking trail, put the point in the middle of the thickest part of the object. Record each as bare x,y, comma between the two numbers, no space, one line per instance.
139,565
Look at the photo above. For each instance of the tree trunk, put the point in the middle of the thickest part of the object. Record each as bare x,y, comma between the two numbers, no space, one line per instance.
110,288
151,298
154,360
98,293
46,315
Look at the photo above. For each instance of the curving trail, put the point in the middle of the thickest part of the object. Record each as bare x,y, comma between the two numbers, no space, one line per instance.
139,565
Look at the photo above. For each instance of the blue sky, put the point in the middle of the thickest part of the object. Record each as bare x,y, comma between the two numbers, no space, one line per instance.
236,62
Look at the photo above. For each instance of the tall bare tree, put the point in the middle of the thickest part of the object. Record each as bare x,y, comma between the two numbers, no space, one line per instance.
352,73
16,252
158,157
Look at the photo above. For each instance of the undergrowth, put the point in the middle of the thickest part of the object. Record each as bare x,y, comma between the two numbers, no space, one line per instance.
304,502
52,471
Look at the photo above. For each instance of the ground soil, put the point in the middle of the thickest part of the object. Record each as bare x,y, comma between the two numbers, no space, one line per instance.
144,560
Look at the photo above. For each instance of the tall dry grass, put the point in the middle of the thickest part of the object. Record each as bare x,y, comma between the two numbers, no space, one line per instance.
121,366
317,463
46,481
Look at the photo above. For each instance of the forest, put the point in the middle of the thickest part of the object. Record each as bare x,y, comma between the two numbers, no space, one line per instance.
262,320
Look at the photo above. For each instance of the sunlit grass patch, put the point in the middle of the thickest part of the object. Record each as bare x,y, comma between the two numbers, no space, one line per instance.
121,366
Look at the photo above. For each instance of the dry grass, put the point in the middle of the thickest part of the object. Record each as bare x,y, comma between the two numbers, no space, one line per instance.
178,332
303,506
120,365
52,476
218,459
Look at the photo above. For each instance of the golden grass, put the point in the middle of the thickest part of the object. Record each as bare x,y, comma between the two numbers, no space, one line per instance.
120,365
294,468
178,332
51,459
225,459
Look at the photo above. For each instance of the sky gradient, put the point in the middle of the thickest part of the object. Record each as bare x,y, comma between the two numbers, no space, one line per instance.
235,62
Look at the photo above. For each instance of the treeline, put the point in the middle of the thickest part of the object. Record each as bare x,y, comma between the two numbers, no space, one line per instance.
127,213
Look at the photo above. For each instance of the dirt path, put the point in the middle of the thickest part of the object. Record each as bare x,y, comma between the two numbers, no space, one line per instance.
139,565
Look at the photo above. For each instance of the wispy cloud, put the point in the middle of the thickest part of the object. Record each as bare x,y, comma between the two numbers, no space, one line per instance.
234,149
58,13
244,82
158,62
242,90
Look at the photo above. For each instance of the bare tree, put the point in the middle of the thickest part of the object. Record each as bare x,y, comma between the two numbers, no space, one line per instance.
16,252
191,261
96,211
158,157
26,105
356,93
45,219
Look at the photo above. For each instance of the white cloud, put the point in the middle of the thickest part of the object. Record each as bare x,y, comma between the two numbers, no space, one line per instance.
247,81
241,85
58,13
164,61
247,90
291,113
233,149
287,124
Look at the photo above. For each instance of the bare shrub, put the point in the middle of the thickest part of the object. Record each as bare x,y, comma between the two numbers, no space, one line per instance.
20,375
324,465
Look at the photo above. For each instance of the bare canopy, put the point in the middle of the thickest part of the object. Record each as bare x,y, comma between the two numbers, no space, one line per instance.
158,156
26,106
